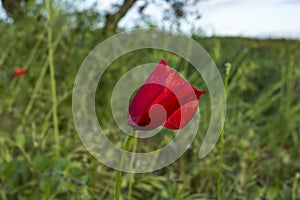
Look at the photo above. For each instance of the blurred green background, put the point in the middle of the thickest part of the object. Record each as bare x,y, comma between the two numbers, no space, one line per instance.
41,156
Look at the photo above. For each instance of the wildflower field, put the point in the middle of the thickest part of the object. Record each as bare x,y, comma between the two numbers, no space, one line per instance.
41,154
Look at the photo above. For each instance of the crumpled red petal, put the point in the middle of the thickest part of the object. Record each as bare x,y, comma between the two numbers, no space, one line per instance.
165,99
19,72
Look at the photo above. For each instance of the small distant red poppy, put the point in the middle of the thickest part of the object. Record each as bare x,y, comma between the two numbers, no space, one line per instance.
19,72
165,99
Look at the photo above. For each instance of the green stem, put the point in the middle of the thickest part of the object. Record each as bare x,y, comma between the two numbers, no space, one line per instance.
119,174
131,179
52,76
228,67
3,194
16,83
41,76
294,188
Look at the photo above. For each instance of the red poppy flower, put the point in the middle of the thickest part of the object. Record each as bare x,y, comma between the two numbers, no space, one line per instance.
19,72
164,99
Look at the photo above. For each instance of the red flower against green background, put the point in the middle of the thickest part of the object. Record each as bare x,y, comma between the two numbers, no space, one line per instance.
165,99
19,72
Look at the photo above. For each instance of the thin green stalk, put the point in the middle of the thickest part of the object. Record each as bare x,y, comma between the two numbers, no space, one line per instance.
52,76
37,86
40,79
14,86
24,153
294,189
119,174
228,67
45,125
3,194
131,179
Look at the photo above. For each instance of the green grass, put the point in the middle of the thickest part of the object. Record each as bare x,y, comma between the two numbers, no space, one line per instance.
261,142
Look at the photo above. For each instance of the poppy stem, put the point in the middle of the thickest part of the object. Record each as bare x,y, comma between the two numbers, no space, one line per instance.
131,179
119,174
228,67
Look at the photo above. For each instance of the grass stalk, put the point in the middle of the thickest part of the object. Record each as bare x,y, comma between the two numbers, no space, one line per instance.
3,194
39,82
131,179
294,188
228,67
15,84
52,75
119,174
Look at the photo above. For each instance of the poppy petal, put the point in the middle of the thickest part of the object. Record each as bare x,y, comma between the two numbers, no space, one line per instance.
164,99
19,72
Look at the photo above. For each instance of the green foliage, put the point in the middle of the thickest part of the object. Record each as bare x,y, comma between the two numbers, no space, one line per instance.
261,141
